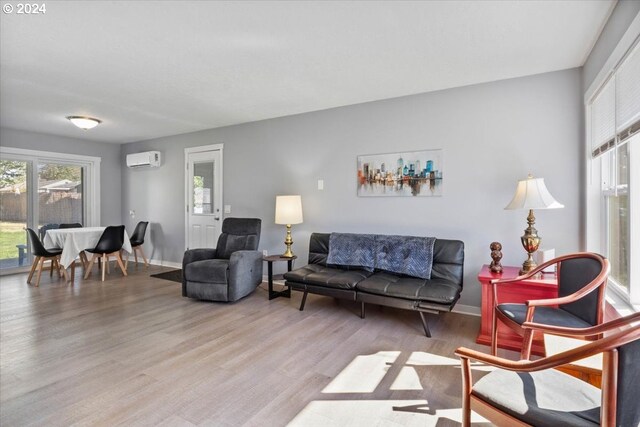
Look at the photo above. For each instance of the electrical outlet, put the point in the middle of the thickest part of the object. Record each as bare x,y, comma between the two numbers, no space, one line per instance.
321,184
227,209
132,214
265,252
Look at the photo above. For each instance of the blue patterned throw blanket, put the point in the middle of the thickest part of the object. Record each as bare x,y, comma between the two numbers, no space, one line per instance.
409,255
355,250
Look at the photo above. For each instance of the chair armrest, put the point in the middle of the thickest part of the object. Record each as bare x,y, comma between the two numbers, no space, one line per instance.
583,332
193,255
600,346
245,273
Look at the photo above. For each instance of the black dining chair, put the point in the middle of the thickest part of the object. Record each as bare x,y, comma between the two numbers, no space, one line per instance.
71,225
137,240
40,255
110,244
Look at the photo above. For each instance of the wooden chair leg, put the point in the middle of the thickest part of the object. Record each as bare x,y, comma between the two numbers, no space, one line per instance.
33,268
135,255
89,267
126,260
146,262
120,263
104,265
107,264
52,264
527,341
73,272
494,333
40,267
83,259
60,268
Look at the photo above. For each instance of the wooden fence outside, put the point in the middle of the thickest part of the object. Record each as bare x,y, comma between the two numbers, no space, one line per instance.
55,207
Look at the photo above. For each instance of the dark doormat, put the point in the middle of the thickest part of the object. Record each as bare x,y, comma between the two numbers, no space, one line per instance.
173,275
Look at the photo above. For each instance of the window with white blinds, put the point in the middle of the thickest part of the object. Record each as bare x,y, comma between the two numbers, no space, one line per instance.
614,174
615,110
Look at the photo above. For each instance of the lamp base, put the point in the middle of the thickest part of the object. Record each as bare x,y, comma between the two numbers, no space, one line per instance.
530,241
288,241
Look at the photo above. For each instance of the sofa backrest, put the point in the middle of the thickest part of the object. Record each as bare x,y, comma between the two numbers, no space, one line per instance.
448,257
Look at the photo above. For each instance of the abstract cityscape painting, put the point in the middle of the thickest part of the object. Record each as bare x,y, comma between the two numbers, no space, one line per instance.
408,174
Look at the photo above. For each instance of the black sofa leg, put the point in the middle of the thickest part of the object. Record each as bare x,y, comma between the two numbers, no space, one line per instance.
304,299
425,325
362,310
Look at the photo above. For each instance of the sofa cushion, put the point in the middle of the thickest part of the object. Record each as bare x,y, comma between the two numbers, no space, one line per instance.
208,270
391,285
315,274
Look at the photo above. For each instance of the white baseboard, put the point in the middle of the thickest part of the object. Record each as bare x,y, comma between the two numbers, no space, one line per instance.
466,309
163,263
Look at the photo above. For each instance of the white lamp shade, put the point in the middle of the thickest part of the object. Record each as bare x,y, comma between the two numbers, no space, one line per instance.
288,210
531,193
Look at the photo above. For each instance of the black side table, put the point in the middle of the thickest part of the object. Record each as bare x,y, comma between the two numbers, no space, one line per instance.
270,260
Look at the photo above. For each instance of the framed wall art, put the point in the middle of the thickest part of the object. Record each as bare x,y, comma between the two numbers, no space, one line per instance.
405,174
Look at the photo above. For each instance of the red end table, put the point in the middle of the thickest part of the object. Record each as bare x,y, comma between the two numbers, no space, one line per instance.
545,286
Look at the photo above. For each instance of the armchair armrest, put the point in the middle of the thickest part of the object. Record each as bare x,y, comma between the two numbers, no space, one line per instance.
245,273
600,346
583,332
193,255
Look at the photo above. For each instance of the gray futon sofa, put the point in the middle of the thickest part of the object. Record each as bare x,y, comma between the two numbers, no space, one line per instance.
436,291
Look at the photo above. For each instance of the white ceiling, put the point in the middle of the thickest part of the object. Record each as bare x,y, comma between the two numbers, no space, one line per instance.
158,68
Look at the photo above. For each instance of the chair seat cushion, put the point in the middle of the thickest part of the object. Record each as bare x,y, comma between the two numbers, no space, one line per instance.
545,398
315,274
208,271
54,251
411,288
545,315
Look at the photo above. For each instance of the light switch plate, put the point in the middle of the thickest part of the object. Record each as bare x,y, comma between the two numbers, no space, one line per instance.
227,209
321,184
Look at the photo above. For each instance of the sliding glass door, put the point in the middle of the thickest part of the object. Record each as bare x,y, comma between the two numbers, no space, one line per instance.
41,191
14,213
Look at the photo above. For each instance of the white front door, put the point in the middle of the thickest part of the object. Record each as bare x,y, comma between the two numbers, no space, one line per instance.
204,197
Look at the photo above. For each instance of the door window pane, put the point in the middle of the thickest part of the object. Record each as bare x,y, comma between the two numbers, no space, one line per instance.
203,188
60,189
13,214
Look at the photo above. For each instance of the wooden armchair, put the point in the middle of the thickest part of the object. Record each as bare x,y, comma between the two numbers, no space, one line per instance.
524,393
582,278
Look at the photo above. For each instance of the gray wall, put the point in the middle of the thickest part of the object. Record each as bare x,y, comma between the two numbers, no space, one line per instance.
110,166
492,135
623,14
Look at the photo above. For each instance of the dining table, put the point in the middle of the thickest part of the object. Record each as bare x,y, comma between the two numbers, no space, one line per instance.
74,241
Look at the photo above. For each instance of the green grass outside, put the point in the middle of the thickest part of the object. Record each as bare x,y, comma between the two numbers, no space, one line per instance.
11,234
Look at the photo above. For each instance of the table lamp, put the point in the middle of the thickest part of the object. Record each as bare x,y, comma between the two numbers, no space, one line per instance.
531,193
288,211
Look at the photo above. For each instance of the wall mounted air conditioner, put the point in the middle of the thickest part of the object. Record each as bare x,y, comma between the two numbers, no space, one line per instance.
145,159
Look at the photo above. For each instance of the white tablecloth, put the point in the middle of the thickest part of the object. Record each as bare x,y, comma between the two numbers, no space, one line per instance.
75,240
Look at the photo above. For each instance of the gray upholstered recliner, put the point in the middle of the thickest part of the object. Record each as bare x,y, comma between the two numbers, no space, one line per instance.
229,272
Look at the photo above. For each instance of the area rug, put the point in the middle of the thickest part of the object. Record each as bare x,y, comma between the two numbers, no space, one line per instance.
173,275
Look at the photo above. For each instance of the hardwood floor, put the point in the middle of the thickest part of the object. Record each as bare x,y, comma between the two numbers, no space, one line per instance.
133,351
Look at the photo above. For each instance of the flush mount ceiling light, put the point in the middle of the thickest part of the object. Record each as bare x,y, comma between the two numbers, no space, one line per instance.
84,122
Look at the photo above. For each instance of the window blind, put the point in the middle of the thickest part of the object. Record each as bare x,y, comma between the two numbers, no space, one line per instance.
628,91
615,111
603,118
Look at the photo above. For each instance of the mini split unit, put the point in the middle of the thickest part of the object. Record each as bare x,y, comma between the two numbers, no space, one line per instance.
149,159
